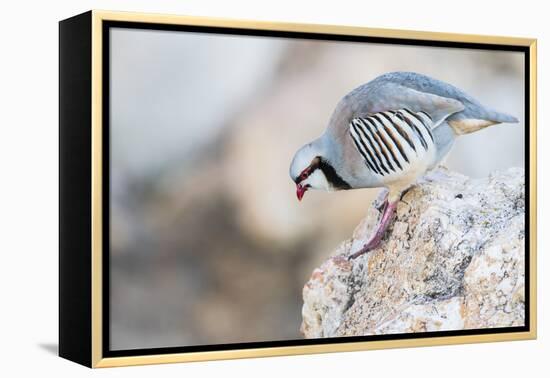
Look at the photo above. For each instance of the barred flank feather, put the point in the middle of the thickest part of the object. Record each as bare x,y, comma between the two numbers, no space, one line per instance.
393,141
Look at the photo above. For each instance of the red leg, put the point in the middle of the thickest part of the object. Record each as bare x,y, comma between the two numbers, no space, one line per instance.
376,238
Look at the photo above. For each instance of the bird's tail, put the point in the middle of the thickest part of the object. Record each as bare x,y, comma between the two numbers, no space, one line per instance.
501,117
468,125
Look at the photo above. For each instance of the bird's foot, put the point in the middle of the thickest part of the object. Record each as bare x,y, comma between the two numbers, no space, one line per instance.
381,200
371,244
435,175
376,238
404,192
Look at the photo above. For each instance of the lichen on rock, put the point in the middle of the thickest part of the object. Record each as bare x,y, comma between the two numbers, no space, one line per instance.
453,259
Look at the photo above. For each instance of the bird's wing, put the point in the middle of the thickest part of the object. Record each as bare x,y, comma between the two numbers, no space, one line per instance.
394,143
394,96
465,114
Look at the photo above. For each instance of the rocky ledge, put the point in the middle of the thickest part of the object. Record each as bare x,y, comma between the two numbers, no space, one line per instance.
453,259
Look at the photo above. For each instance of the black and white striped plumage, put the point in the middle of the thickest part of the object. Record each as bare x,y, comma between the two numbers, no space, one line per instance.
395,145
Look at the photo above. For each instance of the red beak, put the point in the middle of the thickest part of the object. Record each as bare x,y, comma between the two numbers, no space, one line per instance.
300,190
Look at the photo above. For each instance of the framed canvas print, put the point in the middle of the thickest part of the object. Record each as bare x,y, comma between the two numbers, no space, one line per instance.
236,189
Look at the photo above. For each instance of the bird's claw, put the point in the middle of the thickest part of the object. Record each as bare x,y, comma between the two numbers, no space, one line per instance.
372,244
404,192
381,201
355,255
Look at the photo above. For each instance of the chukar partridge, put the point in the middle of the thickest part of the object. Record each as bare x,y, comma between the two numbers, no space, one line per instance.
388,133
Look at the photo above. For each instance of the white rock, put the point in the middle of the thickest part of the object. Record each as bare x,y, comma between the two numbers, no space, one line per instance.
454,259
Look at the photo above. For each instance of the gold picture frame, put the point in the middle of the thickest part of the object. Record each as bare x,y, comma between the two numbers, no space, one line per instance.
82,327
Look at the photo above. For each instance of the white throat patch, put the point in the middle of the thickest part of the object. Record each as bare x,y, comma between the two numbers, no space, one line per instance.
317,180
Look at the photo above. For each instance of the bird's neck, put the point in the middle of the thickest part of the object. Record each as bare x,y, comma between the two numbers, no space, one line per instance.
333,177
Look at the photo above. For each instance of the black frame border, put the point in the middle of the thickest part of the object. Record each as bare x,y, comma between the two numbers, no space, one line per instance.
75,194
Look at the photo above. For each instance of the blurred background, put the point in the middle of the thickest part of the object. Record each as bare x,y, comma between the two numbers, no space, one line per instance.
208,242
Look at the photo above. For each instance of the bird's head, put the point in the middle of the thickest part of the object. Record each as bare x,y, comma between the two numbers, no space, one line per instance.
307,169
